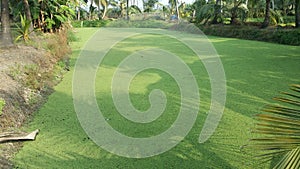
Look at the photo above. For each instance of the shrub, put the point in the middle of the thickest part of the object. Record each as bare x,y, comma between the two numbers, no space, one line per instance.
149,23
275,35
2,104
289,19
47,70
88,23
24,31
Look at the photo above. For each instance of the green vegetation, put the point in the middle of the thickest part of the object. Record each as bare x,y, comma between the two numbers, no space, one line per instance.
88,23
139,24
280,127
50,16
47,70
2,104
24,31
278,35
254,72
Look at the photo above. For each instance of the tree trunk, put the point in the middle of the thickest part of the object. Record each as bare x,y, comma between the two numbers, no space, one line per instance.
297,13
177,10
78,13
127,9
234,14
217,12
6,32
28,14
267,15
104,4
233,20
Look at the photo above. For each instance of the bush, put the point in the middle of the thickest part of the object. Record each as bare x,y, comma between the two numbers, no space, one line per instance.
47,70
289,19
149,23
2,104
275,35
87,23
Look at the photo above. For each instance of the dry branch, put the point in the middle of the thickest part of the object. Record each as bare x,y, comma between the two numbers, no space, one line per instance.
5,137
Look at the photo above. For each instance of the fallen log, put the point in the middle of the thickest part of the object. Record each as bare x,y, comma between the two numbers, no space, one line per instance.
5,137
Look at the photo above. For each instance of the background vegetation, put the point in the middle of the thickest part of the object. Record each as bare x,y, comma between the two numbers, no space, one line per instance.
242,15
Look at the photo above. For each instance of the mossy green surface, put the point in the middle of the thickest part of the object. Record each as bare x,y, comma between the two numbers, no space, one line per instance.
255,72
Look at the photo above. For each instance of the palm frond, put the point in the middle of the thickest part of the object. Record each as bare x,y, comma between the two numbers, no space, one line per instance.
279,128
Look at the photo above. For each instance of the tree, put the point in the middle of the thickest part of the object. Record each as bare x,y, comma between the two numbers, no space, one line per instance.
267,15
28,14
52,15
149,5
174,7
102,7
297,13
217,12
104,4
6,31
237,5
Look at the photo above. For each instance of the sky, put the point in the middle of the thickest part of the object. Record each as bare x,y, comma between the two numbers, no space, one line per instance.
165,2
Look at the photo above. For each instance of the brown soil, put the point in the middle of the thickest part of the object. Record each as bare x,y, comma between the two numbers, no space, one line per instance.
17,109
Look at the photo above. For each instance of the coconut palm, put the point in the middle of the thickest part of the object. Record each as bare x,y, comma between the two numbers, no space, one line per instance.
267,15
6,38
280,127
297,13
28,14
174,7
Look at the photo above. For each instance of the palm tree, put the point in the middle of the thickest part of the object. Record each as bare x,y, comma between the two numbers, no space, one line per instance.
217,11
280,127
297,13
102,7
104,4
28,14
267,15
234,12
174,7
5,26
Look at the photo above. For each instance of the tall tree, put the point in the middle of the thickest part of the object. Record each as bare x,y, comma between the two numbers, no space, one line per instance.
28,14
174,7
149,5
234,12
104,4
102,7
267,15
217,11
6,31
297,13
127,9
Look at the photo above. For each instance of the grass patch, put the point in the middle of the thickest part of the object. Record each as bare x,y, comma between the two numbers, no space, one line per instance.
2,104
255,72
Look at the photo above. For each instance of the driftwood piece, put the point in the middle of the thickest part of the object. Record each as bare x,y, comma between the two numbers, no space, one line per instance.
5,137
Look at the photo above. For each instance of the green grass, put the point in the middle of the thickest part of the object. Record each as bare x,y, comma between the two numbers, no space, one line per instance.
255,72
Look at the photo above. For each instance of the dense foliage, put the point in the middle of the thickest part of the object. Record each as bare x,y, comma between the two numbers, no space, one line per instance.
275,35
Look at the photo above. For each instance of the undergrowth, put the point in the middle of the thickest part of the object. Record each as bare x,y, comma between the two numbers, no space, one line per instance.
274,35
2,104
47,70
